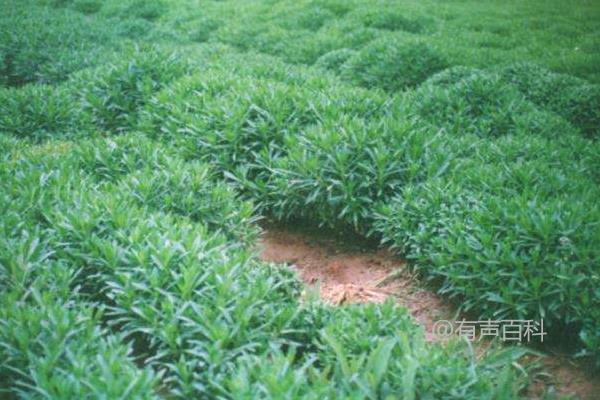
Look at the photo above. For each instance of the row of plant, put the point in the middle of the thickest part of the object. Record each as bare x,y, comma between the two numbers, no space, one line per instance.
316,149
129,272
533,170
45,45
47,41
405,35
467,33
126,265
512,231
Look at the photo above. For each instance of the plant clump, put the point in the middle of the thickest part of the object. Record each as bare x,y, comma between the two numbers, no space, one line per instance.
393,65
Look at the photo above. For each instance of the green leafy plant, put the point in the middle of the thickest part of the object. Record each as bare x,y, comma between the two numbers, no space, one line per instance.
39,112
393,20
482,104
392,64
573,98
504,238
113,95
87,6
47,46
334,59
146,9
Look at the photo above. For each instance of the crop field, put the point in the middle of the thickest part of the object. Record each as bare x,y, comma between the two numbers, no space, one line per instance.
144,142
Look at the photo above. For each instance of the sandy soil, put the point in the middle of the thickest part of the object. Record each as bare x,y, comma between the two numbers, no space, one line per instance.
344,271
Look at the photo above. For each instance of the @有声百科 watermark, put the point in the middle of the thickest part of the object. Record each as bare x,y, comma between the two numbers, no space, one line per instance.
508,330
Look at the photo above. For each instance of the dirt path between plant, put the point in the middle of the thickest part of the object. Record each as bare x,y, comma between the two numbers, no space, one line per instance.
344,271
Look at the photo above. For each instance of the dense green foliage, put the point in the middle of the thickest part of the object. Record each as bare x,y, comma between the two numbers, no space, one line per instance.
574,99
113,95
46,45
112,244
389,64
141,140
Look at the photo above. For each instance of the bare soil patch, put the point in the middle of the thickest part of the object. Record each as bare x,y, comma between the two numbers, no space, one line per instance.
347,273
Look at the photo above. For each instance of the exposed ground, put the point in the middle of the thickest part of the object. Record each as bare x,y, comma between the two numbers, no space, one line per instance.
347,273
344,271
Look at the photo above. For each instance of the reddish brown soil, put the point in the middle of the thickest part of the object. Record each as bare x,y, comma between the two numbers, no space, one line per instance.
565,378
346,272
